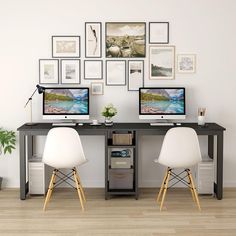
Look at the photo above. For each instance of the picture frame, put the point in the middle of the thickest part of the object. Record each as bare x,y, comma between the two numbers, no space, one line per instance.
161,62
93,69
65,46
158,32
125,39
70,71
115,72
135,74
97,88
93,39
186,63
48,71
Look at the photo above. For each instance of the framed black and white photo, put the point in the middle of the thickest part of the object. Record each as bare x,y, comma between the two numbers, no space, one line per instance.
161,62
125,39
116,72
93,69
135,74
48,71
186,63
70,71
93,39
66,46
159,32
97,88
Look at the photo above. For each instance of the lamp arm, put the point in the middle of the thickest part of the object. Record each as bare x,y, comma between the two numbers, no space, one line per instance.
30,97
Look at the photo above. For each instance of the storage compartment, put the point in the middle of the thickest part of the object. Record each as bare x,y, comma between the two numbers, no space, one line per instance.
121,179
120,162
122,139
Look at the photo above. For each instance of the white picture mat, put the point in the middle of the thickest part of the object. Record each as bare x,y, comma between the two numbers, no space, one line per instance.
158,32
93,69
97,88
186,63
135,78
48,71
93,39
70,71
115,73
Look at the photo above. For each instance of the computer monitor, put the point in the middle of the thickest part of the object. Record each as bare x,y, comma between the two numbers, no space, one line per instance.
162,103
66,103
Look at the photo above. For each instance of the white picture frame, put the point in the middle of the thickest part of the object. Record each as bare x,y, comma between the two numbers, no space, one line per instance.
70,71
186,63
158,32
48,71
97,88
135,74
161,62
93,69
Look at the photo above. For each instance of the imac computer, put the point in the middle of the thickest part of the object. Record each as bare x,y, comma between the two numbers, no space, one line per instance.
162,103
66,104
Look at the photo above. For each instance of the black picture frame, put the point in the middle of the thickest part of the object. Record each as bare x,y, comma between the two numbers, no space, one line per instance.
91,77
97,39
43,74
71,46
116,73
131,47
142,79
166,27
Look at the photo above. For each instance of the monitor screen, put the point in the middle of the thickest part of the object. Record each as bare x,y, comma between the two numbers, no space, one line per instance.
66,103
162,103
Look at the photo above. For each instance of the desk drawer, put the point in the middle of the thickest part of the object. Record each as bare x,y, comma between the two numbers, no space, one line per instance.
121,179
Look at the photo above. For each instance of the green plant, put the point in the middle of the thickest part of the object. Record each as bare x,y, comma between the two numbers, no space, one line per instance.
7,140
109,111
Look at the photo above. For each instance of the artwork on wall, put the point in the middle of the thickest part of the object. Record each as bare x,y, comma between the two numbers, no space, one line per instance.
125,39
135,75
48,71
70,71
93,69
66,46
116,72
93,39
159,32
186,63
97,88
162,62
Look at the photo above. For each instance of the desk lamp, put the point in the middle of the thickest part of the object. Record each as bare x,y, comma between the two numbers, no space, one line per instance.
40,90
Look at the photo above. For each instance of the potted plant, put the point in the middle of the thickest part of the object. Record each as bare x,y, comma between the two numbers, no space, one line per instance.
108,112
7,143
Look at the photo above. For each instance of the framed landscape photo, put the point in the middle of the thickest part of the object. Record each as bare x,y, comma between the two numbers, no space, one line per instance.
48,71
186,63
161,62
66,46
97,88
125,39
70,71
93,39
93,69
159,32
115,72
135,74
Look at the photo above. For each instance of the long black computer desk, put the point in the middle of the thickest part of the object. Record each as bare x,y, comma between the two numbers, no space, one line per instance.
28,133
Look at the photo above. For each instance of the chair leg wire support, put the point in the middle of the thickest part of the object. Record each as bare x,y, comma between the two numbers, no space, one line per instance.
190,184
74,177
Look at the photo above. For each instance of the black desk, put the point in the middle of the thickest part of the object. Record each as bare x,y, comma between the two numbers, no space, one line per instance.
27,133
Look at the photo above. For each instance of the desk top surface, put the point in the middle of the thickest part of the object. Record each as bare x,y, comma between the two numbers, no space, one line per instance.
124,126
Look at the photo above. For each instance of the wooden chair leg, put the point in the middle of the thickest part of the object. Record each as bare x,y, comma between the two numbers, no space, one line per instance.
50,188
78,190
80,185
165,188
195,191
191,187
162,186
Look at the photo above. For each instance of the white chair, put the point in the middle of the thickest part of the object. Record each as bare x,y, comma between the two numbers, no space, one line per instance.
63,150
180,149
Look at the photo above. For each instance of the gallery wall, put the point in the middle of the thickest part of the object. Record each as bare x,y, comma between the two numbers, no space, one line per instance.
203,27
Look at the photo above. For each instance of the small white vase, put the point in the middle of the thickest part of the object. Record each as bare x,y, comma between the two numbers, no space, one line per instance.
201,120
108,121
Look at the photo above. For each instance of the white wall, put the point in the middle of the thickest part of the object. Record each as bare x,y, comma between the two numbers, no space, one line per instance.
204,27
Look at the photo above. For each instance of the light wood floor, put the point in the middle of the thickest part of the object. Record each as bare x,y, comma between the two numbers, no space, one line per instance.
117,216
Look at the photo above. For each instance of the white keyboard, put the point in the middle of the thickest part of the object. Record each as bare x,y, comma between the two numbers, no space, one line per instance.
162,124
64,124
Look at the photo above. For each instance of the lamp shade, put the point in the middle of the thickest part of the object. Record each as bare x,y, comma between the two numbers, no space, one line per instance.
40,89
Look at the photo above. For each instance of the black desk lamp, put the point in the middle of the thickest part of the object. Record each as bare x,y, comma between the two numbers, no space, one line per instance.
40,90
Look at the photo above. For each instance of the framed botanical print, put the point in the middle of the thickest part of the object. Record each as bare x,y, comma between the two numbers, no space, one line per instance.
161,62
97,88
93,39
70,71
135,74
159,32
93,69
186,63
115,72
48,71
66,46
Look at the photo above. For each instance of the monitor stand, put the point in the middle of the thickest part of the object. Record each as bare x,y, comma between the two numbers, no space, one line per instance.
65,123
162,123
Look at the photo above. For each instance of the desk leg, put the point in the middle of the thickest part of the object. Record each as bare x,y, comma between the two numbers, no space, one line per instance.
106,167
218,188
22,167
211,146
136,165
